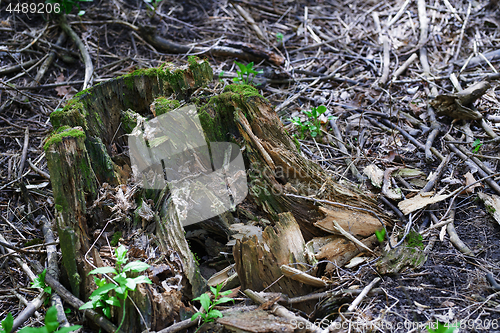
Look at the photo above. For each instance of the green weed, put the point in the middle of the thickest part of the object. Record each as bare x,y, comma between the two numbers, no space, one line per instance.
246,73
476,145
210,313
51,324
102,298
313,125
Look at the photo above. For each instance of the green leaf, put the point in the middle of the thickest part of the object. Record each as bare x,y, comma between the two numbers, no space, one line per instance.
7,323
140,279
476,145
106,311
39,282
100,282
242,67
223,300
136,266
121,291
103,270
121,279
34,330
104,289
68,329
113,301
321,109
121,254
227,292
196,315
213,290
214,314
88,305
204,300
380,235
51,322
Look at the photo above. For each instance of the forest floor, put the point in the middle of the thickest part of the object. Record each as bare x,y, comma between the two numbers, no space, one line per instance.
340,54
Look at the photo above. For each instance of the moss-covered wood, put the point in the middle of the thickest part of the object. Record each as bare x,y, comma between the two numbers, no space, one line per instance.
73,184
274,168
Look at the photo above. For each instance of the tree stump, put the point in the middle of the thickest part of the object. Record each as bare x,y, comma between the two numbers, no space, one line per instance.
90,148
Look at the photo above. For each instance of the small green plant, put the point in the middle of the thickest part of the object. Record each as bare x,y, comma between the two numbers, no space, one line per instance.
51,324
7,323
39,282
279,37
206,302
65,6
102,298
302,126
313,125
443,328
245,73
476,145
314,114
221,75
380,235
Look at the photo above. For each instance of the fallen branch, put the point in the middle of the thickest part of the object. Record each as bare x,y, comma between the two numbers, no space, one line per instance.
283,312
245,51
89,67
53,269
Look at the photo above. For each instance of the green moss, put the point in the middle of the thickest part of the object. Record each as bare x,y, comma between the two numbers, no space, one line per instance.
414,240
73,114
163,105
61,133
243,89
68,243
116,238
490,209
193,61
59,208
129,120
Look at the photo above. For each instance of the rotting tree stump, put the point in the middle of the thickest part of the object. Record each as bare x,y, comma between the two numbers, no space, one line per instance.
89,148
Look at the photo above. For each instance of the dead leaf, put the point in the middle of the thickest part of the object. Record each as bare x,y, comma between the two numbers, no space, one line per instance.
63,90
420,201
355,222
469,179
375,174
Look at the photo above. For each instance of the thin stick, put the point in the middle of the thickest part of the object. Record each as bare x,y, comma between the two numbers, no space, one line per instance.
387,60
351,237
454,239
25,151
404,66
360,297
459,46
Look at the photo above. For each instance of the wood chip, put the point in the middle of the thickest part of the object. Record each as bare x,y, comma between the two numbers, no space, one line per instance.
420,201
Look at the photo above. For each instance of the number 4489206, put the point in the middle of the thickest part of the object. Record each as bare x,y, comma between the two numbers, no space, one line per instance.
34,8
